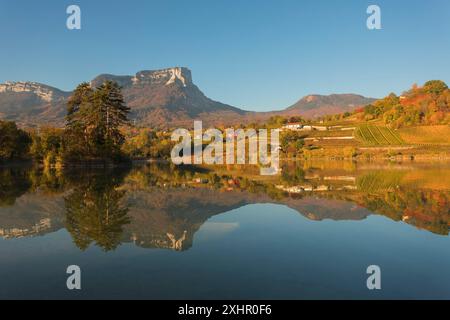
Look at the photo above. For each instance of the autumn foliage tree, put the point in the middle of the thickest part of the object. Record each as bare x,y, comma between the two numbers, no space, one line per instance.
426,105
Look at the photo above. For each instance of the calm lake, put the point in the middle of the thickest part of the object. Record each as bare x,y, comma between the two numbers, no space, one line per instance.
156,231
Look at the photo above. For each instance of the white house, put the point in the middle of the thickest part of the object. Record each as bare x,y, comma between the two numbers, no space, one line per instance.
301,127
293,126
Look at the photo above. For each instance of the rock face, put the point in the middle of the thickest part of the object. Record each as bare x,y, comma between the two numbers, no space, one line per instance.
45,93
178,75
30,103
169,98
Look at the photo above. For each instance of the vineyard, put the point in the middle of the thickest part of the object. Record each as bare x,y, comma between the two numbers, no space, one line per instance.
434,135
377,136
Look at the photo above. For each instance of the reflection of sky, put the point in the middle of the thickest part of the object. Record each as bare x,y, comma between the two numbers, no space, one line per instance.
217,229
257,251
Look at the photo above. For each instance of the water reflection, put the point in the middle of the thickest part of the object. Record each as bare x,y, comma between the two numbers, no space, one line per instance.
13,184
95,211
162,206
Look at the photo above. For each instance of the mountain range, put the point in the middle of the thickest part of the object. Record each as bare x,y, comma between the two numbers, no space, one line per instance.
158,98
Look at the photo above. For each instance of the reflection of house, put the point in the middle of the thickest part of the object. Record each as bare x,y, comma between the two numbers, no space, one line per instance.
303,188
311,188
340,178
200,180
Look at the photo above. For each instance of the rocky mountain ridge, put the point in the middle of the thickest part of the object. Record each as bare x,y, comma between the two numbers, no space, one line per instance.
165,98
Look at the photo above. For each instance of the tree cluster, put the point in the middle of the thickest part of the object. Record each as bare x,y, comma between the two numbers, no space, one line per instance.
14,142
427,105
94,121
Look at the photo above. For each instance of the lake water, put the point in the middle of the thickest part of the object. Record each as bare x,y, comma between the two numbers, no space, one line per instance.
157,231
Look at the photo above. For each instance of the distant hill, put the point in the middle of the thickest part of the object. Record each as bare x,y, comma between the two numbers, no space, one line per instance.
164,98
314,106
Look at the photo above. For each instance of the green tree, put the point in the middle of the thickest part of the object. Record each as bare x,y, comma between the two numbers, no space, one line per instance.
14,142
94,121
112,114
77,138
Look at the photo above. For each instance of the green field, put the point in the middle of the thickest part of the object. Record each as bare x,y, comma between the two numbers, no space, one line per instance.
377,136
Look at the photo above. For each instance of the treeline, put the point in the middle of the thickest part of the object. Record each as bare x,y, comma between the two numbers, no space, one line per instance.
147,143
14,142
93,123
426,105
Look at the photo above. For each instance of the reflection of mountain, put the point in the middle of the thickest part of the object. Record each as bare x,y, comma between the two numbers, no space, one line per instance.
31,215
43,226
159,218
161,215
318,209
13,183
160,207
31,202
181,212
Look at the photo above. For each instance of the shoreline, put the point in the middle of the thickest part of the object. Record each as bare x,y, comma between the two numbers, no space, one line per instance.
378,156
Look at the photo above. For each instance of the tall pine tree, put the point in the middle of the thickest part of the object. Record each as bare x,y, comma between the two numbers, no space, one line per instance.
112,115
94,121
77,139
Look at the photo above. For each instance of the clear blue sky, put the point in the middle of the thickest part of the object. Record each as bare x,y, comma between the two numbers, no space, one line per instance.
254,54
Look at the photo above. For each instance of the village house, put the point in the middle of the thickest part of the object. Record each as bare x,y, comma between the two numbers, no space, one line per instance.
301,127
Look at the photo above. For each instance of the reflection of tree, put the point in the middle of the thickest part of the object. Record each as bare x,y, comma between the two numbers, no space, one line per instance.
426,209
13,184
163,175
96,213
293,176
48,181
